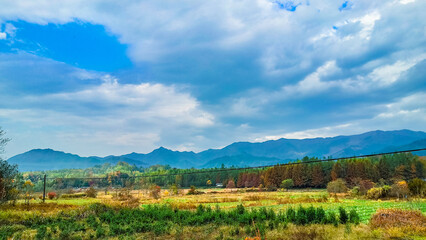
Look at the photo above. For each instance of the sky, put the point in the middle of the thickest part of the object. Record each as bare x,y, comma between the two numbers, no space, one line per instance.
107,77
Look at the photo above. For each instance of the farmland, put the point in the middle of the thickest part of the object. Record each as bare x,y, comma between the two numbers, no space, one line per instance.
268,217
365,198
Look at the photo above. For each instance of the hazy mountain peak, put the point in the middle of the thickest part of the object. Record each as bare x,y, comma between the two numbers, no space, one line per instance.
238,153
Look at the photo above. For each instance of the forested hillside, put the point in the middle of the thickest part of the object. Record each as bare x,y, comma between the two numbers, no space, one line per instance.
384,170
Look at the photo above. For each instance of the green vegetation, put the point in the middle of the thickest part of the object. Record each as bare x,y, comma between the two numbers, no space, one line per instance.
99,220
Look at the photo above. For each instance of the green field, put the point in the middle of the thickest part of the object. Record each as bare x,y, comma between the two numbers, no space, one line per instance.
50,220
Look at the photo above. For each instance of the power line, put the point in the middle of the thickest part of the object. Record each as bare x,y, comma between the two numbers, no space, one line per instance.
246,168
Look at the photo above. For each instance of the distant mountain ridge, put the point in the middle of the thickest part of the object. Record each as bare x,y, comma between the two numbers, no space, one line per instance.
236,154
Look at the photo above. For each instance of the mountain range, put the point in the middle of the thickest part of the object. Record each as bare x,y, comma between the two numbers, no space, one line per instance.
236,154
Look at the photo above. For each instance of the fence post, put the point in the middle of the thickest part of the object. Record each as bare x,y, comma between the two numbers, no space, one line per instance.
44,188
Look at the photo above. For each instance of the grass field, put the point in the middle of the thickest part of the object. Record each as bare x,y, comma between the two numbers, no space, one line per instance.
19,220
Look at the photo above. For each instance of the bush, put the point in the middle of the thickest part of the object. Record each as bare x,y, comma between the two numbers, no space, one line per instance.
400,189
337,186
354,217
374,193
386,190
287,184
91,192
175,189
355,191
417,187
379,192
343,216
51,195
291,215
154,191
301,217
331,218
320,216
311,214
192,190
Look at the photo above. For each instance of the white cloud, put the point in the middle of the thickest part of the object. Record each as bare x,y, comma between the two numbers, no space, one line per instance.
293,56
329,131
2,35
139,101
119,117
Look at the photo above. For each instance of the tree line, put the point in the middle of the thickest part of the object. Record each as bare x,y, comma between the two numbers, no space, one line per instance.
385,169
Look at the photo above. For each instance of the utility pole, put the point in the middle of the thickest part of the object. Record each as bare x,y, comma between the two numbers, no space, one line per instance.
44,189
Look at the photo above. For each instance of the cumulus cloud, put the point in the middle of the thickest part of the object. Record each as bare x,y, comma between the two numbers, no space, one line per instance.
103,114
209,73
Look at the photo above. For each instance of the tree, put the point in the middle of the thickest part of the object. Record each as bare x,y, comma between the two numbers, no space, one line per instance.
8,175
417,187
317,176
383,167
287,184
298,175
335,171
231,183
337,186
400,189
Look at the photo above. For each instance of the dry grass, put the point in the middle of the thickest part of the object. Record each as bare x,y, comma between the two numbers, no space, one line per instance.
390,218
39,207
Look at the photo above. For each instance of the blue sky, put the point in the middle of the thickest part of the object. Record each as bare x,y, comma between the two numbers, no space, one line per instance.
113,77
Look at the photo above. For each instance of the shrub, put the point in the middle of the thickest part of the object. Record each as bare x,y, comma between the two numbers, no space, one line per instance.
192,190
362,185
301,217
331,218
343,216
354,217
91,192
51,195
337,186
320,216
386,189
378,192
291,215
355,191
400,189
417,187
311,214
240,209
155,191
175,189
287,184
365,185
